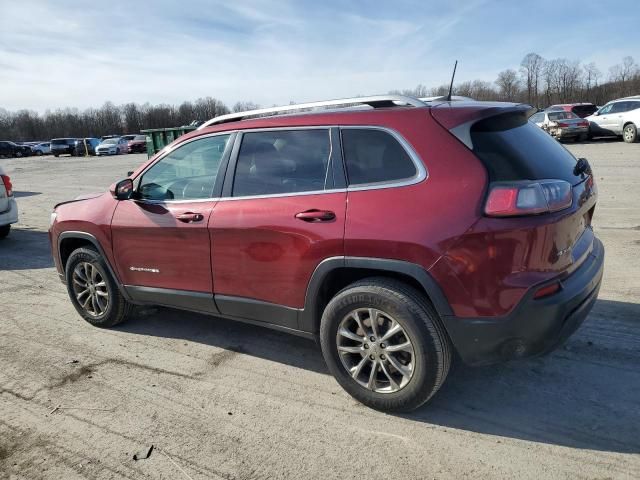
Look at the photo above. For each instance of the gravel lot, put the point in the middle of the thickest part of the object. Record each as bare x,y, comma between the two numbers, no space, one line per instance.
220,399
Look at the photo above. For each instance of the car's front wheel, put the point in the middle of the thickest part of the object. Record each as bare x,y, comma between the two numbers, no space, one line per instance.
630,133
93,291
384,343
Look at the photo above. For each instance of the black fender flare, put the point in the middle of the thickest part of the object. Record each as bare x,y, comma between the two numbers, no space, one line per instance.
307,319
94,241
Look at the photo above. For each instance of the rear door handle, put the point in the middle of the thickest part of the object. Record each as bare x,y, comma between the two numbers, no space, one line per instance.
315,215
190,217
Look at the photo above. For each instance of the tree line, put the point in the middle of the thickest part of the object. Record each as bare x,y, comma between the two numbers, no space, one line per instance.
536,81
541,82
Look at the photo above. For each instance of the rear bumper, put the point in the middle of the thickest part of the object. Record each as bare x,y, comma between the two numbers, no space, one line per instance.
10,215
535,327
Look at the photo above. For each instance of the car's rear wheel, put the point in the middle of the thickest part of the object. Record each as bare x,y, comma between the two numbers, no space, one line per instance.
18,154
4,231
630,133
38,153
93,291
117,151
56,155
385,345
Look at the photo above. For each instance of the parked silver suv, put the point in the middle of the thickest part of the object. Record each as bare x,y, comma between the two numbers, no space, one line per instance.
617,118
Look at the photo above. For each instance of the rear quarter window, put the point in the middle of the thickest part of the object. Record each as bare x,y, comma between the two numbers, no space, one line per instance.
512,149
375,156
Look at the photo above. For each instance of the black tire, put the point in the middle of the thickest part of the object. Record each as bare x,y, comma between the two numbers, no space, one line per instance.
117,151
409,308
4,231
630,133
117,309
38,153
56,155
583,137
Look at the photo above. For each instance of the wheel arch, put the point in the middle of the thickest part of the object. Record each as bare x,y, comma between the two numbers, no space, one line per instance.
72,240
333,274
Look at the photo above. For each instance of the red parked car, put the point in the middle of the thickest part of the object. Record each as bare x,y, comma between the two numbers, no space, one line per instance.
582,110
138,144
396,234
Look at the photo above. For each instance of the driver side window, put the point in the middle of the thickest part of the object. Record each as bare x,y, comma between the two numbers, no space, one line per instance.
187,173
606,109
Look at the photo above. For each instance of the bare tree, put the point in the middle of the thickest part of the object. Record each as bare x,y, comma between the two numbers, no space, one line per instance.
508,85
591,75
531,69
244,107
623,72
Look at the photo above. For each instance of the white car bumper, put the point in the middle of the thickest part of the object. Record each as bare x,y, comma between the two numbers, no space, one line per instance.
11,215
105,151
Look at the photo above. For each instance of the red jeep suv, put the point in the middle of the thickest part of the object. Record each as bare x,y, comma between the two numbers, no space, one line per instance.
398,232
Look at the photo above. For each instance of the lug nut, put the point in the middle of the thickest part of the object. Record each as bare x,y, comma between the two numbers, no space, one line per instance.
382,345
373,339
371,357
382,357
366,346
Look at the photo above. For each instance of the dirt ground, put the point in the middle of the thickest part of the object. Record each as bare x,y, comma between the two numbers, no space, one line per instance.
220,399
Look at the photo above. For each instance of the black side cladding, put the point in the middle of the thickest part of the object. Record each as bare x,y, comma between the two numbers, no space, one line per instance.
512,149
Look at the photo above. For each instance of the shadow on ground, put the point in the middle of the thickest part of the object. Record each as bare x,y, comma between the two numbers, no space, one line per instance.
585,395
25,249
25,194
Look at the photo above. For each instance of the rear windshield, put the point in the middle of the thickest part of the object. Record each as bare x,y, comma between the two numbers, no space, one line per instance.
561,116
140,138
512,149
62,141
584,110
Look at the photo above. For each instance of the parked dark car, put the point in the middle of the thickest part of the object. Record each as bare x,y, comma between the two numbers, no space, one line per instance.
86,146
582,110
396,234
12,149
138,144
63,146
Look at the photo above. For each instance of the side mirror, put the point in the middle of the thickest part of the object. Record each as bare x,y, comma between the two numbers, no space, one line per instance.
123,190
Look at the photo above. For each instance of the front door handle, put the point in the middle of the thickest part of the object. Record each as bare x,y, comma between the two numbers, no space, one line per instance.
190,217
315,215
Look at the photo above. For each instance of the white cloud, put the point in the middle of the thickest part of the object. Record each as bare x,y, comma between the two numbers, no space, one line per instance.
72,54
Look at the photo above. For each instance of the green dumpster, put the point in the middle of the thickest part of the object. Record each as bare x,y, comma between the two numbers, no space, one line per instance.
158,138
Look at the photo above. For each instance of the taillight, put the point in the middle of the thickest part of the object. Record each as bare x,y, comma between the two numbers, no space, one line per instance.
563,125
7,184
510,199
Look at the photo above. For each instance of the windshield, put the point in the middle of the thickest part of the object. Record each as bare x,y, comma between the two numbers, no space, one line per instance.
110,141
561,116
140,138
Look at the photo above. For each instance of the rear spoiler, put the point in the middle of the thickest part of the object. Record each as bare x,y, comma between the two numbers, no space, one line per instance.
458,118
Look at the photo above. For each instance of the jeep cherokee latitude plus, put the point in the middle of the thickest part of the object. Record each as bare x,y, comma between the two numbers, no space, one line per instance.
396,231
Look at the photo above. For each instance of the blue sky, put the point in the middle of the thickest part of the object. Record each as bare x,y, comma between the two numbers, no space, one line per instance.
81,54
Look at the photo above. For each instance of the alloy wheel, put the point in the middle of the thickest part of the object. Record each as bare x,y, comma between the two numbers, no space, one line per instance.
375,350
628,133
90,289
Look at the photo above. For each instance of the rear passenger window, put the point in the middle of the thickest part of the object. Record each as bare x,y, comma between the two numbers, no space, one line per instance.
283,161
374,156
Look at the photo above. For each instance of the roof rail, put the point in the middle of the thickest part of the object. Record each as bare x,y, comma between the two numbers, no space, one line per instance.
377,101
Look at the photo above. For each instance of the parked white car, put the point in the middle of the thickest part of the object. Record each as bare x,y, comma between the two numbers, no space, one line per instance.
41,148
617,118
113,146
561,125
8,205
